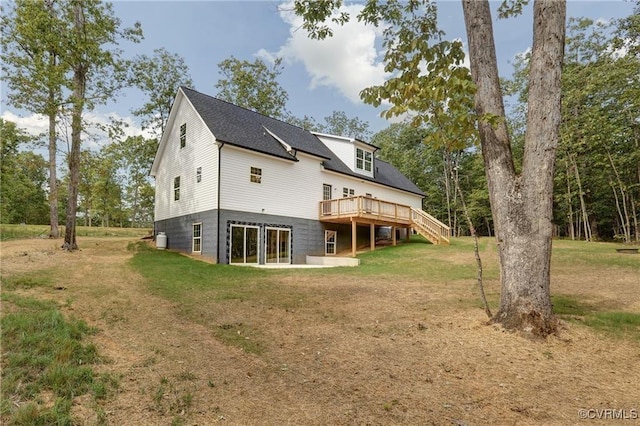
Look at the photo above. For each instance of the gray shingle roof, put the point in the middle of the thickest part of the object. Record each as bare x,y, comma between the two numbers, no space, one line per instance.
244,128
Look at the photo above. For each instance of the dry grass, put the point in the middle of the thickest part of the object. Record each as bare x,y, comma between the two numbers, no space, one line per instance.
351,347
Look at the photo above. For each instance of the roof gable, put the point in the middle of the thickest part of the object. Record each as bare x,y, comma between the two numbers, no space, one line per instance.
237,126
248,129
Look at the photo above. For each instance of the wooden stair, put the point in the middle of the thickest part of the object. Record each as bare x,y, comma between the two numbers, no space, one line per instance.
430,227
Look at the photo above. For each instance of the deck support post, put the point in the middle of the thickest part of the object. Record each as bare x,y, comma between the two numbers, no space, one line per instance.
408,234
393,235
354,233
372,237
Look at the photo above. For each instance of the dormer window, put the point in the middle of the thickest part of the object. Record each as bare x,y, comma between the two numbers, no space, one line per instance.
363,160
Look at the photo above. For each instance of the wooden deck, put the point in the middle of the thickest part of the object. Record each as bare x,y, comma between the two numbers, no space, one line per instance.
366,210
374,212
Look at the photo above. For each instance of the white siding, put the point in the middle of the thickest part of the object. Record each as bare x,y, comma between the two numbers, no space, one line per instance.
287,188
342,148
363,187
290,188
345,150
200,151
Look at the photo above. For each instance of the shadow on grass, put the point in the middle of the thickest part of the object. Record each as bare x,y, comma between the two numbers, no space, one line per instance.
614,323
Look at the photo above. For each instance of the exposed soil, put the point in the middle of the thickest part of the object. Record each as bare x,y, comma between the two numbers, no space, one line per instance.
353,353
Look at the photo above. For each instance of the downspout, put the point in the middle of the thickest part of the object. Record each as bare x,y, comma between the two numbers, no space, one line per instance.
220,145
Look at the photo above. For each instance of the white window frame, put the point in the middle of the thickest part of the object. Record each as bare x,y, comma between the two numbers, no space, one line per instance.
327,191
176,188
196,238
244,255
348,192
333,244
199,175
256,175
183,135
364,160
266,242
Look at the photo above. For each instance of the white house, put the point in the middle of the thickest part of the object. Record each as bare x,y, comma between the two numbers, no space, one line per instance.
241,187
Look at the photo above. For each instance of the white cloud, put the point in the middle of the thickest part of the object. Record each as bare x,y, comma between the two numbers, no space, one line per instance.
93,138
34,124
348,61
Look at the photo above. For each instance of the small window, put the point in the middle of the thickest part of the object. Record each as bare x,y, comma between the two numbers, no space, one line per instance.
363,160
256,175
330,240
348,192
199,174
176,188
183,135
197,238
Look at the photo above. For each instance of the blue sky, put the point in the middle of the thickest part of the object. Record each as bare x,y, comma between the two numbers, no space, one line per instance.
319,77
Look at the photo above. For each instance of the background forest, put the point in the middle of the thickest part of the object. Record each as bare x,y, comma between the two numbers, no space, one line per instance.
597,177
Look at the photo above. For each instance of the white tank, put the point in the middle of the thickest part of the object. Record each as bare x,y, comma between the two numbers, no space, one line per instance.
161,241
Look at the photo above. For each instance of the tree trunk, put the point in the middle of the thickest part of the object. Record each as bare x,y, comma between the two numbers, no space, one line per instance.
626,223
79,86
521,204
476,250
134,208
572,232
583,204
54,232
632,201
70,242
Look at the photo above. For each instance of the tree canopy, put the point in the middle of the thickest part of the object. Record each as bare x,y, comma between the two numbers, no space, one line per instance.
253,85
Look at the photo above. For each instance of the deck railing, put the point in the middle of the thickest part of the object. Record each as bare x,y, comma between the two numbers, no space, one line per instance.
366,207
428,224
381,211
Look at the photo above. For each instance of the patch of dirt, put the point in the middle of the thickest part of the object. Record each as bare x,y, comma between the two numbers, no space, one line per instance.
352,353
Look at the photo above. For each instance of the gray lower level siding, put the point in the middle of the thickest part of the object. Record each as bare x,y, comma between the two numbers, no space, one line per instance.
179,231
307,236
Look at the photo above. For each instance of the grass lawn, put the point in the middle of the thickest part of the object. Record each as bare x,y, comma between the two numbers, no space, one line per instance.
15,232
402,339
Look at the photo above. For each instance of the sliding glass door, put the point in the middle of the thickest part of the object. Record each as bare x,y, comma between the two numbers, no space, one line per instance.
244,244
278,245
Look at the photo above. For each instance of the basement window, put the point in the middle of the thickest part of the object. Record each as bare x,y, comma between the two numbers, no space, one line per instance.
196,246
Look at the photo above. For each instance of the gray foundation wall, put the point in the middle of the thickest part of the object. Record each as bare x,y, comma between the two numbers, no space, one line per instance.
179,232
307,236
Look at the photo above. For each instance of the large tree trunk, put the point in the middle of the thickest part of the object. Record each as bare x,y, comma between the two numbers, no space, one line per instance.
70,242
521,204
79,86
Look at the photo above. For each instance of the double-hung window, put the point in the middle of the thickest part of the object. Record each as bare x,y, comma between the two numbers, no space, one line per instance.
176,188
196,246
363,160
256,175
348,192
183,135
